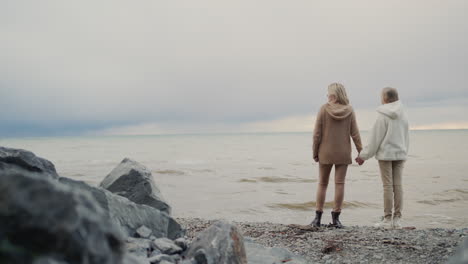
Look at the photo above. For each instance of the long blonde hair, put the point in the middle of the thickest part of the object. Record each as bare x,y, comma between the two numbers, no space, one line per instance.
338,90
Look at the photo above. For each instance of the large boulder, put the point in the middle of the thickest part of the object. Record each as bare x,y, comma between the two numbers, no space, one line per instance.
128,215
259,254
219,243
42,221
134,181
25,160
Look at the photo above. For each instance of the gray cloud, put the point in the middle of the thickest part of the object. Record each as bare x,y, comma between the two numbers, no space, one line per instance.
111,63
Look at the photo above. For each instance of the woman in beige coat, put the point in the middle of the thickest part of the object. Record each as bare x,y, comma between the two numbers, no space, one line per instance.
335,125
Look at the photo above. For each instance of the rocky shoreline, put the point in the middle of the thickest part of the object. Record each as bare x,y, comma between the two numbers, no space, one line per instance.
352,244
48,219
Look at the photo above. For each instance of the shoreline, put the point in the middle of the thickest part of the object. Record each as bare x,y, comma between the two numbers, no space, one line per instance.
352,244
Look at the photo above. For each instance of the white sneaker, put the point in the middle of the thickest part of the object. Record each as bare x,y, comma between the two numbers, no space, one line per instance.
397,222
385,223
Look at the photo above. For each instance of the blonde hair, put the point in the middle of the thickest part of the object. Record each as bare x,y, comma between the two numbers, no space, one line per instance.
338,90
390,95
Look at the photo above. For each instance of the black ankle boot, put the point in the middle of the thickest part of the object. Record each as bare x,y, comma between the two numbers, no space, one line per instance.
336,220
318,218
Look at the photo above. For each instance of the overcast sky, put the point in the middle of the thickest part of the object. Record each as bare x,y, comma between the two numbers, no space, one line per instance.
144,67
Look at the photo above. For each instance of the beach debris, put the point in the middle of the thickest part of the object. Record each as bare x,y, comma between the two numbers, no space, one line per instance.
331,246
304,227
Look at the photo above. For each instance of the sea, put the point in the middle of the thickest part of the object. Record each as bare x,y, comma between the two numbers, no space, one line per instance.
270,177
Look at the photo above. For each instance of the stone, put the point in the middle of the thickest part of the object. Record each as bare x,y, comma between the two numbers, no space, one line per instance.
181,242
166,246
259,254
129,216
139,247
176,258
19,159
40,217
161,257
143,232
200,257
155,252
132,259
134,181
188,261
461,255
219,243
48,260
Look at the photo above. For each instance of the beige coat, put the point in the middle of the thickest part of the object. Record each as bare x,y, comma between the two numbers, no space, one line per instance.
334,126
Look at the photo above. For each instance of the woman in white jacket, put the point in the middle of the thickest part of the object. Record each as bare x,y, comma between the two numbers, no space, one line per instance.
389,143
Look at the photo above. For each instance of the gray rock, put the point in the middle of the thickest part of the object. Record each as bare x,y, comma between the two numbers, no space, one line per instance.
25,160
188,261
40,217
161,257
166,262
144,232
132,259
200,257
155,252
176,258
130,216
461,256
134,181
259,254
130,239
48,260
166,246
139,247
182,243
219,243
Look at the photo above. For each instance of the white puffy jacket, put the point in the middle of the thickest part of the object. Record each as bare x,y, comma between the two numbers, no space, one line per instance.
389,138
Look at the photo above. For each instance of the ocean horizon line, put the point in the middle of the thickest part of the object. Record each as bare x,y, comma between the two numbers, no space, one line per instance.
199,134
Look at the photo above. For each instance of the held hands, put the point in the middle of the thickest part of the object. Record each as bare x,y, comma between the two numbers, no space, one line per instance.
359,161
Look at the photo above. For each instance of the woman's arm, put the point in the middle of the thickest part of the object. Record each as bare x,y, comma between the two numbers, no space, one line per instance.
355,135
317,134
